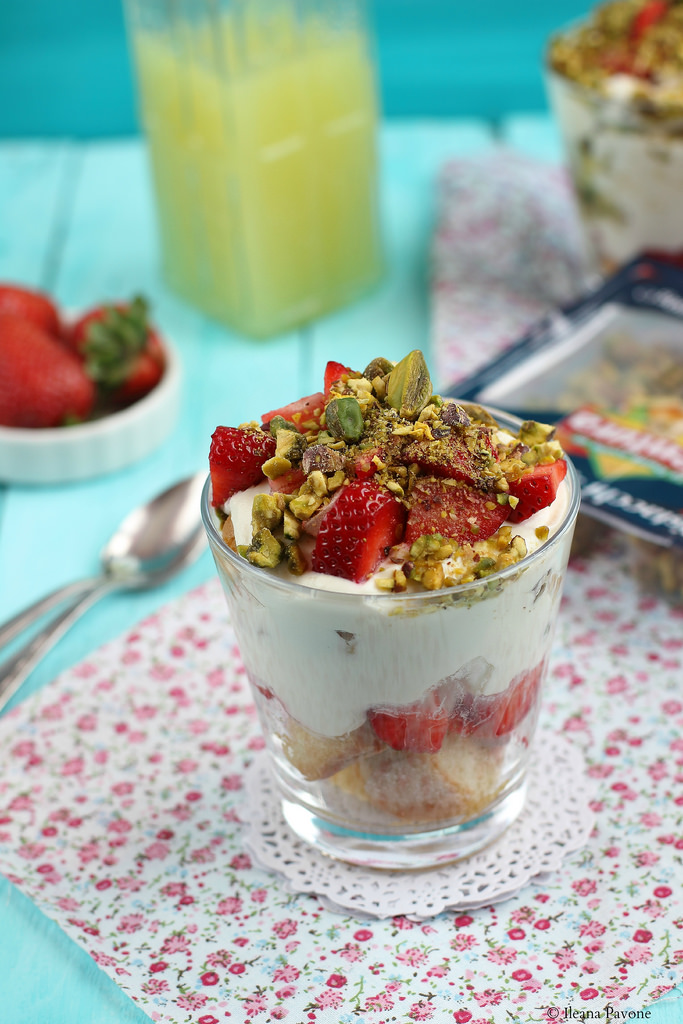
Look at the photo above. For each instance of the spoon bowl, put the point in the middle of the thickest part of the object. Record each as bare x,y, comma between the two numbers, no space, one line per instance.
152,544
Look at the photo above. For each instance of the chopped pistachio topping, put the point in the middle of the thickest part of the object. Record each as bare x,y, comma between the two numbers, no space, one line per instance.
265,550
387,426
275,467
267,511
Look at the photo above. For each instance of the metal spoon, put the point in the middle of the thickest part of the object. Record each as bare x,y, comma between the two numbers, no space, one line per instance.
152,543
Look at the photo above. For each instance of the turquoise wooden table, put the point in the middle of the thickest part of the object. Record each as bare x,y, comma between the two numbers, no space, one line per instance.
77,219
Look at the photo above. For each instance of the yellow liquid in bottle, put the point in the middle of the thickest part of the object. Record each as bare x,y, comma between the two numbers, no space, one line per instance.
262,145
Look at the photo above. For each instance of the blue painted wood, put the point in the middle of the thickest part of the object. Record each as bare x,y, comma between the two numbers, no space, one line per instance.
100,241
395,318
535,136
435,57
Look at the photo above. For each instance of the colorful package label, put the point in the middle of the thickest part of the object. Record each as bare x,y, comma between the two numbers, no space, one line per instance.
630,476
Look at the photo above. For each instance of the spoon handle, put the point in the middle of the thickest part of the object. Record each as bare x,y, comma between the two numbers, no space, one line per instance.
16,668
27,616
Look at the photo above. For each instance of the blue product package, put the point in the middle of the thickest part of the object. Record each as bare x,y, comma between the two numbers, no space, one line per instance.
608,371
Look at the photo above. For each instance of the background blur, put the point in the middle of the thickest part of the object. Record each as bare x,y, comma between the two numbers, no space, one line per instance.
64,67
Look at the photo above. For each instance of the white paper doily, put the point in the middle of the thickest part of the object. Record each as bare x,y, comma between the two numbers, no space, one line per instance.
556,821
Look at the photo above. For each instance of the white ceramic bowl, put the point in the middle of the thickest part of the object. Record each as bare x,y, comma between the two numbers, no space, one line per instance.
63,454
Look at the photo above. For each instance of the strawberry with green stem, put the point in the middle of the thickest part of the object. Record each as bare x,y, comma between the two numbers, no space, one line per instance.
123,352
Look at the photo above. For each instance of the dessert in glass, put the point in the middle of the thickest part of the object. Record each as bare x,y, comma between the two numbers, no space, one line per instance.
393,564
616,85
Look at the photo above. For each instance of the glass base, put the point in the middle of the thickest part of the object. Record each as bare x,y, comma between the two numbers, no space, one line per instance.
410,851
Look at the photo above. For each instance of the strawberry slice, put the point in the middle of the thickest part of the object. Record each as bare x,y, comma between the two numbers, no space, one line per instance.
536,489
333,372
449,456
420,728
518,700
457,511
289,482
647,16
363,465
357,531
470,711
235,460
301,413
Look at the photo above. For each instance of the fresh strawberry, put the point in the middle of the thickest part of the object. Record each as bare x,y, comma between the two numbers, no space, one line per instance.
42,383
364,466
333,372
420,728
647,16
536,489
450,456
357,531
518,700
123,352
288,482
470,711
457,511
28,304
235,460
305,411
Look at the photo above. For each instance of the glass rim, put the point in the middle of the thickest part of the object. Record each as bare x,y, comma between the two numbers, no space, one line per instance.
665,119
415,597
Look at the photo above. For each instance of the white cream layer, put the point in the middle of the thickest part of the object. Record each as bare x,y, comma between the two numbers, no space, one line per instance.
330,658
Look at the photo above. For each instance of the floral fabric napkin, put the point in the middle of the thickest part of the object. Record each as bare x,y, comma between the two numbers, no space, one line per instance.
506,251
121,802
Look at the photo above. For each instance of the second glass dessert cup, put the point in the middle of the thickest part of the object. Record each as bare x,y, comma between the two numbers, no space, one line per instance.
451,679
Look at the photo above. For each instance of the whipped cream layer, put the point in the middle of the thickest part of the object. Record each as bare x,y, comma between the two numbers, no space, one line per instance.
330,649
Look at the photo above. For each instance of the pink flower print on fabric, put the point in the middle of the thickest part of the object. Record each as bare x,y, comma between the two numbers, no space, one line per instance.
204,911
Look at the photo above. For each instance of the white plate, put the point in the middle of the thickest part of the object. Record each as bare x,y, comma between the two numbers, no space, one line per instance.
63,454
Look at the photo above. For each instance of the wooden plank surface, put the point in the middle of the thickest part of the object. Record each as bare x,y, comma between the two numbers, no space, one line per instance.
78,218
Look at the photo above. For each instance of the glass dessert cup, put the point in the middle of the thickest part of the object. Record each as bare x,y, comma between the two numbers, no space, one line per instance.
626,164
455,676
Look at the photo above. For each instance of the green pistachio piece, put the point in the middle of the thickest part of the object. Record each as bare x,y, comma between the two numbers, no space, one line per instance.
275,467
267,511
378,367
264,551
280,423
532,432
409,387
484,567
344,419
289,444
295,559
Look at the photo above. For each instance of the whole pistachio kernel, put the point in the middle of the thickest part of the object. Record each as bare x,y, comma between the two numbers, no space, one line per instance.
378,367
344,418
409,386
